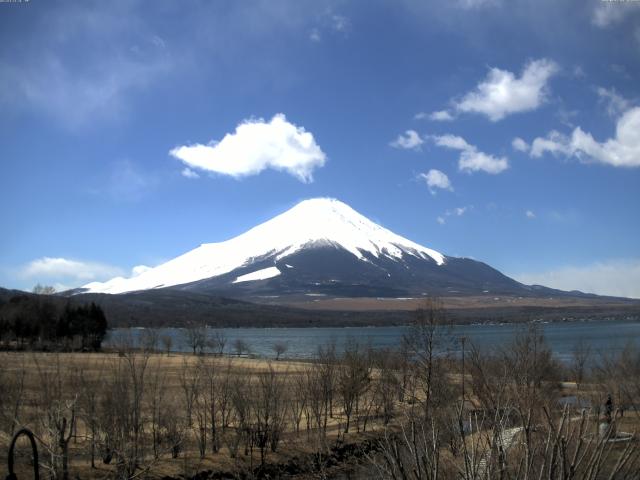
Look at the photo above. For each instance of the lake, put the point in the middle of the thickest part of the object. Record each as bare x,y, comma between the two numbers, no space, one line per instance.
562,337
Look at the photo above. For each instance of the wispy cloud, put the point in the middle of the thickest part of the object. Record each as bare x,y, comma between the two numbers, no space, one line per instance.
75,85
610,277
127,182
529,214
257,145
188,173
471,159
453,212
330,23
607,13
476,4
614,103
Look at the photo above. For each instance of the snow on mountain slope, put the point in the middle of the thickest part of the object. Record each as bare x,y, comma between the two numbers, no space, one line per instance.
320,221
258,275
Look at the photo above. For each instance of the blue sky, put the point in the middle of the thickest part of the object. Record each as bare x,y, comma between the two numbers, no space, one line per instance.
506,131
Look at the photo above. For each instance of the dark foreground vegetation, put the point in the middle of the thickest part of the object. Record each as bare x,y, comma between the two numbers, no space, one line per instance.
45,322
173,307
408,413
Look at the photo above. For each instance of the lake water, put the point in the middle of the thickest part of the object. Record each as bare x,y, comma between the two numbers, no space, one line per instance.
562,337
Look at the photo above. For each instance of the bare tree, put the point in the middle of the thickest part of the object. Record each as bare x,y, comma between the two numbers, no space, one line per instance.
121,412
43,289
202,408
241,400
58,406
216,342
149,339
167,343
354,375
279,348
240,346
189,383
195,338
89,390
212,391
579,360
268,412
157,406
298,399
387,363
224,395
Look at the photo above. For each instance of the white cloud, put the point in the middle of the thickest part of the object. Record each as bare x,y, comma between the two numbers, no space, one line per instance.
615,104
471,159
474,161
554,143
63,271
410,140
612,277
621,151
607,12
441,116
476,4
452,141
188,173
139,270
440,220
314,35
436,179
255,146
530,214
502,93
520,145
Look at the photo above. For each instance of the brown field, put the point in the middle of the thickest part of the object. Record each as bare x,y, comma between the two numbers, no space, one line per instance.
489,301
152,413
65,368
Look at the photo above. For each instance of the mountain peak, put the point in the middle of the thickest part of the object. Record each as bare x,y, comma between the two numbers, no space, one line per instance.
309,224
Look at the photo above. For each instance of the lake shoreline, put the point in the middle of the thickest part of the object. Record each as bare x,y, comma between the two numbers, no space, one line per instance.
302,342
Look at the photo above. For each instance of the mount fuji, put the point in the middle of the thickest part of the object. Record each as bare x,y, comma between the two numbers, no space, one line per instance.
320,247
321,263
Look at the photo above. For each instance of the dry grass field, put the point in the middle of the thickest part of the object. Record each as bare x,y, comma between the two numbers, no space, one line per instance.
134,414
181,384
488,301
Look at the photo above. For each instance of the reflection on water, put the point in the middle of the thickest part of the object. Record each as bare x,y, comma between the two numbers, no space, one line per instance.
606,336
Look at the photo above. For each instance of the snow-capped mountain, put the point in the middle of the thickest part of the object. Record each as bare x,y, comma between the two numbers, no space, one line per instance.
319,247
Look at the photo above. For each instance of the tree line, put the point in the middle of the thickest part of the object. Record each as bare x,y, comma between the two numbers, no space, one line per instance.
44,322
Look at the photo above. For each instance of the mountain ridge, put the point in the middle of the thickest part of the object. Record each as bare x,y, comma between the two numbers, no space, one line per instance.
322,247
311,223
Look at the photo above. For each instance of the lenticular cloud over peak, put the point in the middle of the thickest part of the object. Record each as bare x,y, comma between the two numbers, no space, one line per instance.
257,145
